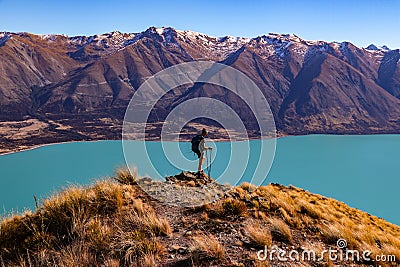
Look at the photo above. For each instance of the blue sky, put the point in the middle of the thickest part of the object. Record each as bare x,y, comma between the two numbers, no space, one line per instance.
360,22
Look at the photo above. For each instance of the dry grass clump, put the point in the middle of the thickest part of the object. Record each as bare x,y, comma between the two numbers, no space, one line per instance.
280,231
136,239
74,254
258,234
277,200
191,184
106,197
59,210
330,234
124,176
133,249
137,206
309,209
69,210
234,207
97,235
238,192
210,246
335,231
146,221
226,208
14,233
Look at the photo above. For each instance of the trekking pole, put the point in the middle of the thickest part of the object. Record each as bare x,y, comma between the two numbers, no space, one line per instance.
209,171
207,160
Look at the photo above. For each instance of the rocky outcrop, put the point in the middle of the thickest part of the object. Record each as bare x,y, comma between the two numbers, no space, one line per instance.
191,179
187,189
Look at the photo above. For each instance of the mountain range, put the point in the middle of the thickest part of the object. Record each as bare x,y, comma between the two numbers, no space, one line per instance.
312,86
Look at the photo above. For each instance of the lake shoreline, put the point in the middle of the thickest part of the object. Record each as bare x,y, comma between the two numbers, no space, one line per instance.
5,152
50,144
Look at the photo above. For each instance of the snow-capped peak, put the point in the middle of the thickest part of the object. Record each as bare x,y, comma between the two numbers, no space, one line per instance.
218,47
164,30
377,48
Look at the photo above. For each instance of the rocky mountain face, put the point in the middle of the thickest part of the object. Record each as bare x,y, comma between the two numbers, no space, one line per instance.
312,86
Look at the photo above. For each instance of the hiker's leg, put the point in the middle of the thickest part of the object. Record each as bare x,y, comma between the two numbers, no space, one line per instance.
201,161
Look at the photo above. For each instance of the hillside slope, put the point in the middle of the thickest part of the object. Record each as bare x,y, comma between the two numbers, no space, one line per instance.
114,223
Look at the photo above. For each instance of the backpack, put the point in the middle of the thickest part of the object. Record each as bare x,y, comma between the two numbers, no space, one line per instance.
196,142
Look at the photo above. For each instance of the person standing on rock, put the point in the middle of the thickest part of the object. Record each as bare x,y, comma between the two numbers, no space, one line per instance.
199,147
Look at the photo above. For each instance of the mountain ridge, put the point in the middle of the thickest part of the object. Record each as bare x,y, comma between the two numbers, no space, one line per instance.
130,37
311,86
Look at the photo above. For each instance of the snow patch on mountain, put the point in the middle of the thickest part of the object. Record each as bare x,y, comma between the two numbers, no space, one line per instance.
168,35
218,47
112,41
3,38
279,45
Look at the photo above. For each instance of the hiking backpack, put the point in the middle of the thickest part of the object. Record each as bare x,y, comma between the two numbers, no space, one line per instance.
196,142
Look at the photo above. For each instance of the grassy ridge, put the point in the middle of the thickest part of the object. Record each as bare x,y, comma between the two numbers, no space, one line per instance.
114,223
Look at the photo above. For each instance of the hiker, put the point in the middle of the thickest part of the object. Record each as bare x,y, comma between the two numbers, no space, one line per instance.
199,146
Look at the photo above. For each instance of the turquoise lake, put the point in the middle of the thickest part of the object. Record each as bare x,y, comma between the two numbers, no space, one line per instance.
360,170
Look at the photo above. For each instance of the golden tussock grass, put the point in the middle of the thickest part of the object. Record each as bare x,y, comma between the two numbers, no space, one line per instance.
97,235
210,246
258,234
330,234
226,208
133,249
234,207
309,209
83,226
124,176
147,222
280,231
